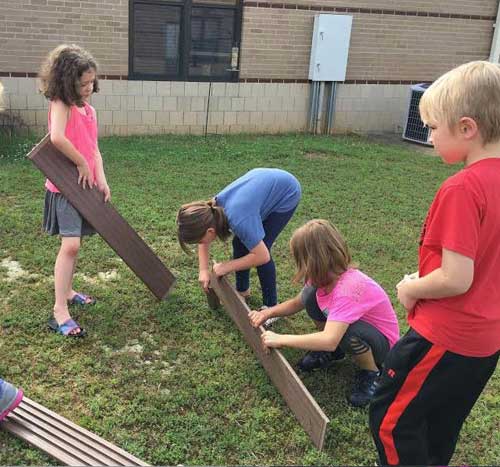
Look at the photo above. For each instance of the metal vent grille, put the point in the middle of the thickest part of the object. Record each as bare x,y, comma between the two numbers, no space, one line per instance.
414,129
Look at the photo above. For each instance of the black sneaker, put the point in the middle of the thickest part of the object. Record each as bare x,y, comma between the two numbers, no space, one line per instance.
320,359
364,388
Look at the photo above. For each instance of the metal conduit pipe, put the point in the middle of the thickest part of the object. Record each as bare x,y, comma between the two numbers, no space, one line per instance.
312,101
331,108
320,108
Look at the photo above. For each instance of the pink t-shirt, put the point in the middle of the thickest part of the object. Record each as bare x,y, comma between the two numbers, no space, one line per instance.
81,130
357,297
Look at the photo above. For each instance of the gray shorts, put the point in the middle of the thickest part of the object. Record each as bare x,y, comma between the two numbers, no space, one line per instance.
61,218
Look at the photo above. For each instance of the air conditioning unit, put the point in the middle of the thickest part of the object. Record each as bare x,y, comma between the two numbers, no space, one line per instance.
414,129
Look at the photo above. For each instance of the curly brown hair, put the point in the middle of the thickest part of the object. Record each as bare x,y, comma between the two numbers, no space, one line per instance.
61,72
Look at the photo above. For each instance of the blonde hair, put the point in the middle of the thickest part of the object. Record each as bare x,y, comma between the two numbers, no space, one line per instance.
470,90
320,253
194,219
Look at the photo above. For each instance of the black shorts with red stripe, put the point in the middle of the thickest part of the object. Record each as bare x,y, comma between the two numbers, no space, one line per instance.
425,393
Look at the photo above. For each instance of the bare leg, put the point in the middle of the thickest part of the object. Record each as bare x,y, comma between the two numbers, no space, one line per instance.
366,361
63,277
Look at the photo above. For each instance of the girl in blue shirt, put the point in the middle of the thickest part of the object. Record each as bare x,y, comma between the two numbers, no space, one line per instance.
255,208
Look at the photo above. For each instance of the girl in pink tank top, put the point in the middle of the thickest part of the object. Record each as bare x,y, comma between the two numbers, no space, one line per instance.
68,79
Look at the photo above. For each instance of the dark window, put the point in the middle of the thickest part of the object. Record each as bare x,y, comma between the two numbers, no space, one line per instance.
187,40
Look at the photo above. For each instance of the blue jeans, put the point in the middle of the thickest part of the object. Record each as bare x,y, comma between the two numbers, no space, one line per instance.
273,225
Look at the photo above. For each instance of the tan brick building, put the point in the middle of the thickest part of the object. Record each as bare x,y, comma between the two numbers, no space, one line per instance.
167,65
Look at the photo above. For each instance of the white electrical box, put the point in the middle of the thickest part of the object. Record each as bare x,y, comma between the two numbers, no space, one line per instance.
330,47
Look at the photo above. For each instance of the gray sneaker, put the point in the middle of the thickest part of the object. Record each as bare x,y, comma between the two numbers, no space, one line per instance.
10,398
268,323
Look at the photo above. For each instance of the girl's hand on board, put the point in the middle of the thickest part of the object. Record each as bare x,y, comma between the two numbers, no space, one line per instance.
271,339
84,176
104,188
221,269
257,318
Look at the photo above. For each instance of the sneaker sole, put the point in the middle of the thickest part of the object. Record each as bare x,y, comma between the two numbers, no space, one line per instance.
269,323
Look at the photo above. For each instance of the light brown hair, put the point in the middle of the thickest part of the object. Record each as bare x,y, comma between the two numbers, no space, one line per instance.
321,254
194,219
61,72
469,90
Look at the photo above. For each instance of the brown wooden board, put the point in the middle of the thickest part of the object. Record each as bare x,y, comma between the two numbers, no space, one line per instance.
283,376
63,440
105,219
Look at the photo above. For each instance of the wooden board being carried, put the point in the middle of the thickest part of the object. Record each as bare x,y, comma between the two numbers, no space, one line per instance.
63,440
283,376
105,219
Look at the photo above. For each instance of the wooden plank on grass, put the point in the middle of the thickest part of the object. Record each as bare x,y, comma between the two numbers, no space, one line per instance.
105,219
63,440
283,376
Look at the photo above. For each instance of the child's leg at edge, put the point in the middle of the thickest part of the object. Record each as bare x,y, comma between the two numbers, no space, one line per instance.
64,270
273,226
242,277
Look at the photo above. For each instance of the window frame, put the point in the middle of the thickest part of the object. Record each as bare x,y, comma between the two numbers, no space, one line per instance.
184,41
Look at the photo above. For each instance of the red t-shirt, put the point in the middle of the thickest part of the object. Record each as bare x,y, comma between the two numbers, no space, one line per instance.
465,218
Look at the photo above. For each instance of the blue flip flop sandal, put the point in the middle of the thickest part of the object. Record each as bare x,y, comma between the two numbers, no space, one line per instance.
65,328
82,300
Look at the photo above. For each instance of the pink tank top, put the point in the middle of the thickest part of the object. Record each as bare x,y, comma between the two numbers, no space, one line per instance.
81,130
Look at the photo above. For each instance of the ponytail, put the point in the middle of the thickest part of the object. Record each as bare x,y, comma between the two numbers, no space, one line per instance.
194,219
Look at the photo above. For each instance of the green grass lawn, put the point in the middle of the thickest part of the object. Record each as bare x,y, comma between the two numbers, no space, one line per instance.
174,382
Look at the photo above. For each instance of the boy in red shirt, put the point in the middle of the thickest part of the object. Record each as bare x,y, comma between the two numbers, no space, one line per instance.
436,372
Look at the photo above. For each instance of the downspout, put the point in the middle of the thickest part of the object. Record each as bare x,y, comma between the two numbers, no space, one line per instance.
495,43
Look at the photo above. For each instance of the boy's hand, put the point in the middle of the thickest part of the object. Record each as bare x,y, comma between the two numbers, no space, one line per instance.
407,277
271,339
257,317
84,176
404,296
105,190
204,279
221,269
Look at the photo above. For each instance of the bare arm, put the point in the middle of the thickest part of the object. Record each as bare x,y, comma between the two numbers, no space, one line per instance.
257,256
102,183
59,119
327,340
454,277
203,261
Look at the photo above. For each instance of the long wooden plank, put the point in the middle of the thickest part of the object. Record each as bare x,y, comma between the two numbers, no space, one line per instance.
305,408
112,227
64,440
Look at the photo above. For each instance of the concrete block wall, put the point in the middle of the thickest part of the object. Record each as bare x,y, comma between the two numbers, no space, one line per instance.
149,107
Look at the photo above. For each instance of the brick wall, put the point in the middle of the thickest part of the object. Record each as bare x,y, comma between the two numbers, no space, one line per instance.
29,29
276,41
391,44
466,7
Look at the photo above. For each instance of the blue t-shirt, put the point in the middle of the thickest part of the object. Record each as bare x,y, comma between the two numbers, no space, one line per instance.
250,199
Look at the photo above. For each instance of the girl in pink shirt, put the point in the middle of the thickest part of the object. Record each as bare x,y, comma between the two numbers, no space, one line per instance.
68,79
352,313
